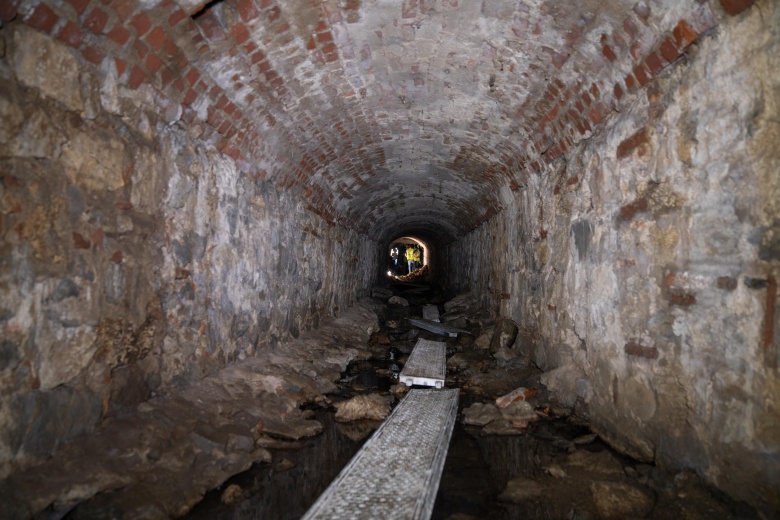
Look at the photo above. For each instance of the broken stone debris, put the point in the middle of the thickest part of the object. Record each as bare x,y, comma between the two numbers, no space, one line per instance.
175,446
518,394
372,407
520,490
504,335
397,300
619,500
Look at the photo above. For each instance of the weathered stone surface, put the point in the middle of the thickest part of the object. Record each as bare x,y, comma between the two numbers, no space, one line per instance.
620,500
397,300
503,336
480,414
599,463
47,65
519,413
521,490
172,448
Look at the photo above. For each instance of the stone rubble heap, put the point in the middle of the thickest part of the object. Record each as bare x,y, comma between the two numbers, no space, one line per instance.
160,460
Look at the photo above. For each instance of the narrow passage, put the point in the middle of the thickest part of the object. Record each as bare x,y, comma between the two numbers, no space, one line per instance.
515,452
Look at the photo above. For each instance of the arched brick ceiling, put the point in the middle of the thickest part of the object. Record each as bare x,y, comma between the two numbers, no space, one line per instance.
392,116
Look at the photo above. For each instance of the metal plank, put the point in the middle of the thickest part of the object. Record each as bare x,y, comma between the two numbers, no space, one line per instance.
426,366
397,472
437,328
431,313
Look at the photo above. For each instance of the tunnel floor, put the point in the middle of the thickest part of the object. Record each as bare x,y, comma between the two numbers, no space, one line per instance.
555,468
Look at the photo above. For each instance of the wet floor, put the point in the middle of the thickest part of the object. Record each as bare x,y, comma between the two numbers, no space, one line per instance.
554,469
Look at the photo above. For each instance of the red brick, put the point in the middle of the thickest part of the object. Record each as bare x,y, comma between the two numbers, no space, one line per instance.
156,38
598,112
124,8
119,35
734,7
284,27
141,23
640,73
224,127
166,76
263,67
324,37
121,66
171,49
630,82
654,64
240,33
140,49
608,53
178,83
627,147
586,98
93,54
681,299
79,242
176,17
96,20
42,18
192,76
70,35
153,63
669,50
618,91
247,10
190,97
9,10
79,5
684,35
117,257
137,76
633,348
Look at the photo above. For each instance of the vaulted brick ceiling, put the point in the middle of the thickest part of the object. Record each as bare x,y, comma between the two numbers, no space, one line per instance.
395,117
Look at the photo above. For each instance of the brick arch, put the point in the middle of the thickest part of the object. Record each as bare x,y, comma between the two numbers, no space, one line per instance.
452,100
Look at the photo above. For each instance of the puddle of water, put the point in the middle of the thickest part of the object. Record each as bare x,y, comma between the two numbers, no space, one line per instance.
271,492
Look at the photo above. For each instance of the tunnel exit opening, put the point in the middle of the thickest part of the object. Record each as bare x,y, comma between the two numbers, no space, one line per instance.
408,259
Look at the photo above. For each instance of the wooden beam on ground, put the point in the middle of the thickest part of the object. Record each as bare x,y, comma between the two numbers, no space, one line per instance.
437,328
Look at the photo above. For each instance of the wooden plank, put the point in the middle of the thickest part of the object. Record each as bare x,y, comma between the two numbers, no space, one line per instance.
426,366
397,472
437,328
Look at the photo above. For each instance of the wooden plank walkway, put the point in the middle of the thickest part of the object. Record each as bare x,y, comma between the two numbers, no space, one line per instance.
397,472
426,366
437,328
431,313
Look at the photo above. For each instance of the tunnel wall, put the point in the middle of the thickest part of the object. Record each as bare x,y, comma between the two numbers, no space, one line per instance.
134,255
642,267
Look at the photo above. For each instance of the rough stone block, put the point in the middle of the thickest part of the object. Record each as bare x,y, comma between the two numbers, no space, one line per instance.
33,52
94,161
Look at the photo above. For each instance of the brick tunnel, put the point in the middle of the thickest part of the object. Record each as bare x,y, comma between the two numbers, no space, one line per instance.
188,185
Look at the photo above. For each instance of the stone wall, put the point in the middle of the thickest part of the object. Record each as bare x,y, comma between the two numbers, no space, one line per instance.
642,266
134,255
